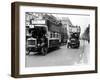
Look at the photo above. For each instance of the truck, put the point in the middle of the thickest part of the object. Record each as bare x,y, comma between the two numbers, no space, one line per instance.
74,37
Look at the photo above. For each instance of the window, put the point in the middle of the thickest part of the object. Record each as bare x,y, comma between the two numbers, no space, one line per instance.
56,35
51,35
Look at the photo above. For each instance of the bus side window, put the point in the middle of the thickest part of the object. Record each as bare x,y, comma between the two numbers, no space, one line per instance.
51,35
57,35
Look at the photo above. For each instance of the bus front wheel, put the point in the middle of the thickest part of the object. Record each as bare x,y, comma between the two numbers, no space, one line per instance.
44,50
28,52
68,45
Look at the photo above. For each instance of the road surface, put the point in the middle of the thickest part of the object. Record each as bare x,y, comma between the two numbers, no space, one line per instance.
60,57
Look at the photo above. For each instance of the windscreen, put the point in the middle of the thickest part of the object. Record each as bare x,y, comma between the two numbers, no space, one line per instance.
38,31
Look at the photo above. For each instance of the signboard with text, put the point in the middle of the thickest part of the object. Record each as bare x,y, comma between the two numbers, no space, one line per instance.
38,21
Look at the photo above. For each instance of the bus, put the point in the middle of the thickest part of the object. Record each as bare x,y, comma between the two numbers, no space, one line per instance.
74,37
44,35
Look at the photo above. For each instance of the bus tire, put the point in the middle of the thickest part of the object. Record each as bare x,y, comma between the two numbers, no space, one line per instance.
68,45
44,50
28,52
77,46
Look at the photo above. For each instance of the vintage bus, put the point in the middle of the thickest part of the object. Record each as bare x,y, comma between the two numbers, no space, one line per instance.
45,35
74,37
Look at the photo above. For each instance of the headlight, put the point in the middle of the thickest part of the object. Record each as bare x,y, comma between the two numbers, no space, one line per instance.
68,40
38,44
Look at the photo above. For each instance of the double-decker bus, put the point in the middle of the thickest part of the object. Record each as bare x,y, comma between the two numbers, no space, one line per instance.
45,35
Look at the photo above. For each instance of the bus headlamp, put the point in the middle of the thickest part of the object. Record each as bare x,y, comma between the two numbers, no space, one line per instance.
38,44
68,40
